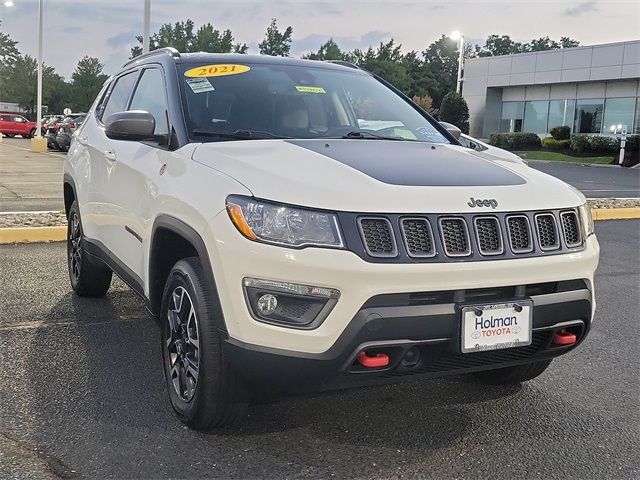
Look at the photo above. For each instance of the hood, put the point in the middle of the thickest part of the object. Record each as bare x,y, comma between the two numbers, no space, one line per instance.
382,176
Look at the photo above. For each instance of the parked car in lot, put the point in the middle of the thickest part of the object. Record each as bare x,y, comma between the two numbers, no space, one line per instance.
284,245
50,131
488,151
12,124
66,128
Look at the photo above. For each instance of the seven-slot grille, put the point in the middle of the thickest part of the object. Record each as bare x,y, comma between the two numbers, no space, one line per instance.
418,237
455,237
571,228
378,237
488,235
547,231
532,233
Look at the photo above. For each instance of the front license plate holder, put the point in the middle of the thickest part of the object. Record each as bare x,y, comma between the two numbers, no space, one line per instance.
496,326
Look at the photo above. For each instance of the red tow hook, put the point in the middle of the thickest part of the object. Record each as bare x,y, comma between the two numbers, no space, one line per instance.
564,337
376,361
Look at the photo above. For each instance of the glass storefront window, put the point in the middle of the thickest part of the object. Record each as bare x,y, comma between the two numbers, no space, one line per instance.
561,113
535,116
512,116
589,116
637,129
619,111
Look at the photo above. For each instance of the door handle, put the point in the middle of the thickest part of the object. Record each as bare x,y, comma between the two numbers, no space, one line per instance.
110,155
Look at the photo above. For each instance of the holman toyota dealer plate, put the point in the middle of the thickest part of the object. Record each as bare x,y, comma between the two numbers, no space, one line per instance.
496,326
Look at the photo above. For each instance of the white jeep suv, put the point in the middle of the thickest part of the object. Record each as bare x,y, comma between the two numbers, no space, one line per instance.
299,226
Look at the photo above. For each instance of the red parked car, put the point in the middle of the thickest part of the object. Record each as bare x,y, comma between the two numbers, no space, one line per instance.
12,124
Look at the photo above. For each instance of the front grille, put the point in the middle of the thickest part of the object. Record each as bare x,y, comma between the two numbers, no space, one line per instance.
488,235
571,229
418,237
424,238
547,231
519,234
455,237
377,236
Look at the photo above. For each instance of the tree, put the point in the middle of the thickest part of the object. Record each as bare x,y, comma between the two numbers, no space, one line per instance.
441,60
86,82
541,44
327,51
566,42
454,110
182,37
8,55
276,43
385,62
500,45
22,80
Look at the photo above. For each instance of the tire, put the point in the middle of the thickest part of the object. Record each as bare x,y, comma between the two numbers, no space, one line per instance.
32,133
88,277
203,389
513,375
9,135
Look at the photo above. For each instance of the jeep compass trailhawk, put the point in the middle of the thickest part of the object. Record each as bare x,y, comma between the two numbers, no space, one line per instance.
299,226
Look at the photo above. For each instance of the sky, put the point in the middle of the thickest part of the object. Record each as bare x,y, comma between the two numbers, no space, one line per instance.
107,29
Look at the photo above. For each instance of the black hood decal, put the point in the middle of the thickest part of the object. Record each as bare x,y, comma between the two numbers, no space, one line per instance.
410,163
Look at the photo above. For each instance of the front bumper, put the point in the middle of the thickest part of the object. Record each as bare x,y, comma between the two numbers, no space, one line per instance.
234,258
396,324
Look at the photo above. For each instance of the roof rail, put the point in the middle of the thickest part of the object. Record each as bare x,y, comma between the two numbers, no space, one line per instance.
170,50
344,63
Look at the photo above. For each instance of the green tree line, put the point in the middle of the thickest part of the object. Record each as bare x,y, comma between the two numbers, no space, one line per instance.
427,76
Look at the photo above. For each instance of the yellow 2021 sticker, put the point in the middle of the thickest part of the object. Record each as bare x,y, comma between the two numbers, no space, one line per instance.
307,89
219,70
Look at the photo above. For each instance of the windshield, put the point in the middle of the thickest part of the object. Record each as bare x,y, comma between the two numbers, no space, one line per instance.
227,102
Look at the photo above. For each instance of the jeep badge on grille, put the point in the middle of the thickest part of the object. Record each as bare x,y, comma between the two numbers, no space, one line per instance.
490,202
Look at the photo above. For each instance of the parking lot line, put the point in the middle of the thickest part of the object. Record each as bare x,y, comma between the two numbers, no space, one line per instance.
66,322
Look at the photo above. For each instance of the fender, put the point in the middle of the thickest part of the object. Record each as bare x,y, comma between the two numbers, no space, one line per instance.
156,286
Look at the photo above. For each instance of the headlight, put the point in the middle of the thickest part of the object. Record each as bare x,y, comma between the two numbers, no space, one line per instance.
586,219
282,224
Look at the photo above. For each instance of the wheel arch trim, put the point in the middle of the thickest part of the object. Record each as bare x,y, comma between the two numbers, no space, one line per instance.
189,234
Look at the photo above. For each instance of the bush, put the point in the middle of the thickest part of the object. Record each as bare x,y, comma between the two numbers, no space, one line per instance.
579,143
602,144
633,143
561,132
550,143
454,109
515,141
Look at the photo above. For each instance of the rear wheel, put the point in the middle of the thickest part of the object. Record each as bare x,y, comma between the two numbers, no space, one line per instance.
513,375
88,277
203,389
32,133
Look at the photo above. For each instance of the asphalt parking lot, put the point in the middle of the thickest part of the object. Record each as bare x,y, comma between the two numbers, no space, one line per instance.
29,181
82,392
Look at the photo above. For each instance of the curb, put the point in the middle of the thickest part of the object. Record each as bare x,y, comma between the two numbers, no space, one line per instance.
59,234
33,235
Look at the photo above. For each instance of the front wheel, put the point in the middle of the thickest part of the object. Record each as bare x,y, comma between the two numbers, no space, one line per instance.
513,375
32,133
88,277
204,390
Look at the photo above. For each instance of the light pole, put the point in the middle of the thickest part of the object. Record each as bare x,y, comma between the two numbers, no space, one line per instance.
38,143
456,35
146,27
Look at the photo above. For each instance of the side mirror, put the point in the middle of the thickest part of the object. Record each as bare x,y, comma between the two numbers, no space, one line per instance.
134,125
452,129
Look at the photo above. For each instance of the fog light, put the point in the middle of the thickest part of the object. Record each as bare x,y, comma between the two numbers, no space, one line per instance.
267,304
289,304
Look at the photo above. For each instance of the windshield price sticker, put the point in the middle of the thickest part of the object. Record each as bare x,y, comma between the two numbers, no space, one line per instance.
308,89
220,70
199,85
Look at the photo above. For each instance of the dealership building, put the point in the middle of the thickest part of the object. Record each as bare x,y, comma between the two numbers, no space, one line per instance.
588,89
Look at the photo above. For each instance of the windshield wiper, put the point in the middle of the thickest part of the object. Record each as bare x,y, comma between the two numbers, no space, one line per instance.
238,134
362,135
